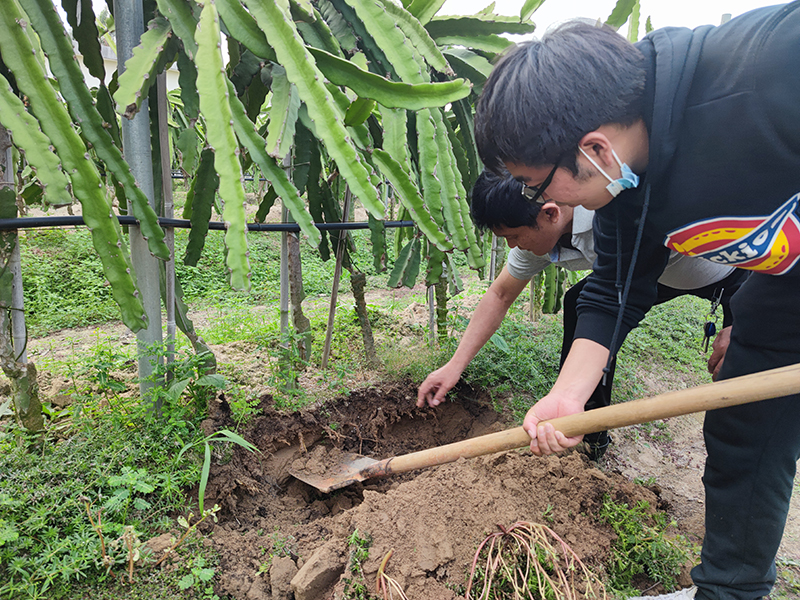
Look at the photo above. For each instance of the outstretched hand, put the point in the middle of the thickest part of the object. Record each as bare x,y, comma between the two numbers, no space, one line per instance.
436,385
545,439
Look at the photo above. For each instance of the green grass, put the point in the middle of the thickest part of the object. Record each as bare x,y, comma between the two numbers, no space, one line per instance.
63,281
122,468
118,473
161,584
667,341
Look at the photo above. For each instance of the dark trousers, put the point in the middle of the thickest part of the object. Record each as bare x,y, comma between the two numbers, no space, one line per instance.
602,393
752,449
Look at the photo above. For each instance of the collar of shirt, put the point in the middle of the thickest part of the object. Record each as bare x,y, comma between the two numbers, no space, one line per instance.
582,238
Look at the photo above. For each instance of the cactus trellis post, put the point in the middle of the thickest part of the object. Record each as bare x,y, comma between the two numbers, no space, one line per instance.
493,259
431,294
167,210
19,331
129,16
337,273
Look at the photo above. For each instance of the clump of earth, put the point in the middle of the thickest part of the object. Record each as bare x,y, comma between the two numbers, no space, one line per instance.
280,538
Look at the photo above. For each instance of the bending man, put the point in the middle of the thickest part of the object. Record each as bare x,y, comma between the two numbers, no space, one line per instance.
542,234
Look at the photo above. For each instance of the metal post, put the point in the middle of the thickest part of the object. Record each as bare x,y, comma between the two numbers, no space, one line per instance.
167,211
18,305
129,18
18,330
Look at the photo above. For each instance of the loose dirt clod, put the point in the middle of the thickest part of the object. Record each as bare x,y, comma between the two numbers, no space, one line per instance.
433,520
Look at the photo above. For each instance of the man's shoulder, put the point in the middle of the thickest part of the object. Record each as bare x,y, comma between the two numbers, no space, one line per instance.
582,220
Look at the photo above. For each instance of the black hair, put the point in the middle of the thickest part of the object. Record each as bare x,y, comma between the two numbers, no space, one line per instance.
498,201
544,95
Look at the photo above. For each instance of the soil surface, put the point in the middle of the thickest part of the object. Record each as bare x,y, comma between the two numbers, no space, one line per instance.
434,519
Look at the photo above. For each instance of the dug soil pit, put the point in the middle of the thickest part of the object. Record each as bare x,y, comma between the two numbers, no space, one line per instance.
279,538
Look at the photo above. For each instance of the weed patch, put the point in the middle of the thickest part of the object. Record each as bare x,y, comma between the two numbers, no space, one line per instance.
643,547
76,509
355,587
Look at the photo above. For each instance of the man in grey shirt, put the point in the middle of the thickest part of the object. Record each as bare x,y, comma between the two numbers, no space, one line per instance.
544,234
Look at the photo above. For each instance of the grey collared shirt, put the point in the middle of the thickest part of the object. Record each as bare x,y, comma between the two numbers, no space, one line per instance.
682,272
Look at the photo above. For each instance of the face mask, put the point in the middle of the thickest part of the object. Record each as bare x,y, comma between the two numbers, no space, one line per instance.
628,180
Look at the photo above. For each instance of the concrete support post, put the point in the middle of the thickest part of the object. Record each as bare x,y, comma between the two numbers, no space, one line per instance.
129,19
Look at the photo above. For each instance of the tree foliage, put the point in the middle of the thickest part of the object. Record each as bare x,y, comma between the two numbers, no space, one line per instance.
373,92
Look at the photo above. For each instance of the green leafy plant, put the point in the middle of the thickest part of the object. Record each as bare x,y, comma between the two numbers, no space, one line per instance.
286,366
220,436
199,576
128,489
642,546
182,388
355,587
243,408
104,361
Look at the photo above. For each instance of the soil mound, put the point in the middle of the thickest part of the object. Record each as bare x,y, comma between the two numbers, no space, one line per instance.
280,538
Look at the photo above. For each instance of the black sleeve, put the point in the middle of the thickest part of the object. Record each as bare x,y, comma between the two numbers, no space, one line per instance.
598,305
730,285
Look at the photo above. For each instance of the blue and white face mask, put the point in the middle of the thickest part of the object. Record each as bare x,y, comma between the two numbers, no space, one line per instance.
628,180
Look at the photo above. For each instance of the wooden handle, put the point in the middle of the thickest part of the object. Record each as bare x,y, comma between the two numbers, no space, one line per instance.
731,392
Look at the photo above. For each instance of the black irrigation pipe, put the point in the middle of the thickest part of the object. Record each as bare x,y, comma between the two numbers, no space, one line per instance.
69,221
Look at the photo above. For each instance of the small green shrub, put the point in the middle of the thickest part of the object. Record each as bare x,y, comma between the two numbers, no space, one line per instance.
642,546
199,578
355,587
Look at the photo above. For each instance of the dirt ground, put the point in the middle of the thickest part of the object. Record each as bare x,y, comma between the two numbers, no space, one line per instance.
432,519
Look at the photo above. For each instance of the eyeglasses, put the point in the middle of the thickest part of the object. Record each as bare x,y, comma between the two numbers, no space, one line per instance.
534,192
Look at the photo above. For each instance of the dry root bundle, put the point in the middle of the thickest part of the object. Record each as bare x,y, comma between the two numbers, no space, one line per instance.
529,561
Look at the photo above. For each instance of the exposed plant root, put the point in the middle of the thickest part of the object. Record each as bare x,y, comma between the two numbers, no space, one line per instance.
531,562
387,586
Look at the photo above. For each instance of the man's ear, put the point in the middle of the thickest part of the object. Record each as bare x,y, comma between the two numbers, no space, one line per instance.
597,145
551,212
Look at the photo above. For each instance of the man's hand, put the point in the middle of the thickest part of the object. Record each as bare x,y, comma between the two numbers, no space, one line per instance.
579,375
484,322
719,347
544,438
436,385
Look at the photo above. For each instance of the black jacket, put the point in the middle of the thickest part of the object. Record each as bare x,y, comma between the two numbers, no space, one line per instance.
723,177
